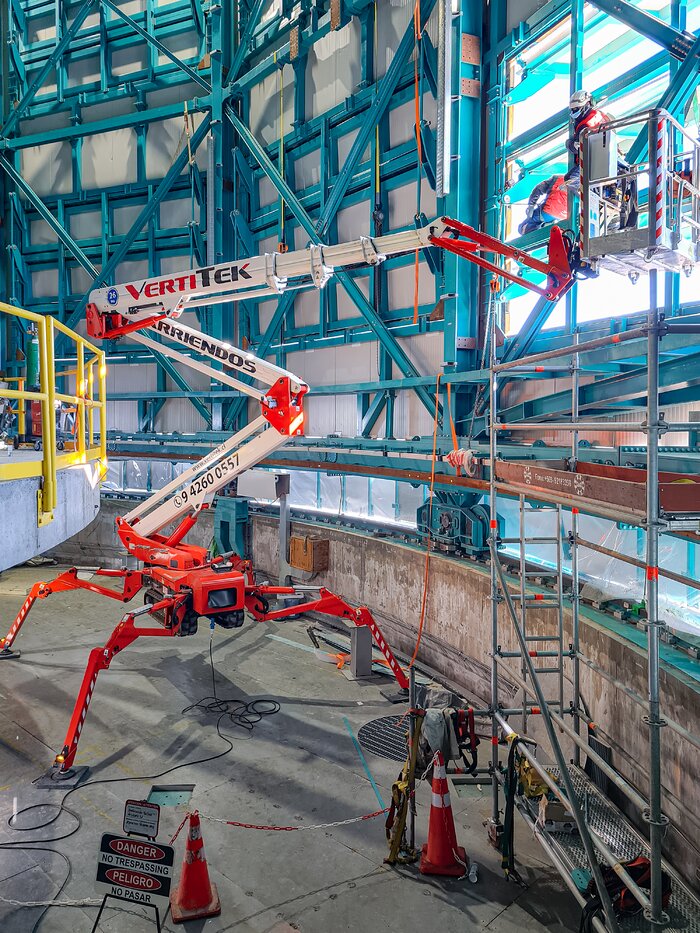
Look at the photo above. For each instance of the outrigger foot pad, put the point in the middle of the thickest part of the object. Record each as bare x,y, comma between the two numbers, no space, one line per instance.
396,697
53,779
7,654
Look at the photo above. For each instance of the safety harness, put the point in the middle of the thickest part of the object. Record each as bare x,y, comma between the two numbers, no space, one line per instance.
399,849
623,901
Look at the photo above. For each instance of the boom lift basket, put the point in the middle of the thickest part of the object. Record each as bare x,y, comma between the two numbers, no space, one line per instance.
644,214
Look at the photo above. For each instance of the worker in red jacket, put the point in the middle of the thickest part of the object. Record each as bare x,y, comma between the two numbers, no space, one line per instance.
548,202
584,116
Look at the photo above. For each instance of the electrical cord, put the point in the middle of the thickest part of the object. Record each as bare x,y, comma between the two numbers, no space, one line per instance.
239,713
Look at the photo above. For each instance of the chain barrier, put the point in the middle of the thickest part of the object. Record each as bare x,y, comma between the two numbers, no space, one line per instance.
284,829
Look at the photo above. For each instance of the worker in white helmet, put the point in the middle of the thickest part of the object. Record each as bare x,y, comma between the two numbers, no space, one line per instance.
584,116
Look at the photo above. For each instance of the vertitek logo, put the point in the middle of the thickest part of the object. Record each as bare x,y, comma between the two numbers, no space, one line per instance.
191,282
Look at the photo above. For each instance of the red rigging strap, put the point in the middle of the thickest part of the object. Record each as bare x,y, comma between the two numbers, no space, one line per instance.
469,243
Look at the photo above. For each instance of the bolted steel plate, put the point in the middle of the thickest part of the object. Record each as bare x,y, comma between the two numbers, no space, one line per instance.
385,737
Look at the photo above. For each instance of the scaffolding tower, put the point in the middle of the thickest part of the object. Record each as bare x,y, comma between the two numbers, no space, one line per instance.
603,834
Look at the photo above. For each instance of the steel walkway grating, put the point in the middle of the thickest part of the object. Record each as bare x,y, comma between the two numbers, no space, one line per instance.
624,840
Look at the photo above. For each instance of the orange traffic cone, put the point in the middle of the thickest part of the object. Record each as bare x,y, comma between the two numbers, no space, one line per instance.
196,896
441,855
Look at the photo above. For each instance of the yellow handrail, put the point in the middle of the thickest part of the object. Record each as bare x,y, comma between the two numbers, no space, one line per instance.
84,401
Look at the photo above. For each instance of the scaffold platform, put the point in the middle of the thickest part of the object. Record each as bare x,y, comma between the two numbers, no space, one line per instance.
567,853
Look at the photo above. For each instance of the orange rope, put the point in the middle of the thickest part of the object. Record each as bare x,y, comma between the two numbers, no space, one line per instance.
426,574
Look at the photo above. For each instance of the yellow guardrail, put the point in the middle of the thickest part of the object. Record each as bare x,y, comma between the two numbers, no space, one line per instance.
90,372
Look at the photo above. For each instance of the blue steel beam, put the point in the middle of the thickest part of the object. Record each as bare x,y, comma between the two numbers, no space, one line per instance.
55,56
385,90
244,44
676,42
144,217
46,214
383,334
190,72
679,90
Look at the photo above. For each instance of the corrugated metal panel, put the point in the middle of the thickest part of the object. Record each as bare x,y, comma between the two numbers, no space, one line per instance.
336,365
131,377
180,415
426,351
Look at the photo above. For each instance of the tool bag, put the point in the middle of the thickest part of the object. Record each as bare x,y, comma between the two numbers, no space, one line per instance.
624,902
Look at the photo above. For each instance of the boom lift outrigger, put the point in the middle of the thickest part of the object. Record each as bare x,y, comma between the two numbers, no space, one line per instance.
183,582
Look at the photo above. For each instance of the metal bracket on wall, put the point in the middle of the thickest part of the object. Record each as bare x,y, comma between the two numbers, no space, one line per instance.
471,49
336,16
470,87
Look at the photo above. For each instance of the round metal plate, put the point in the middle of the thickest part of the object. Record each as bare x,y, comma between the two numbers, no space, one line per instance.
385,737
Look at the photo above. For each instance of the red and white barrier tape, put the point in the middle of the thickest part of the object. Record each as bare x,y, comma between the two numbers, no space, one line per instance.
284,829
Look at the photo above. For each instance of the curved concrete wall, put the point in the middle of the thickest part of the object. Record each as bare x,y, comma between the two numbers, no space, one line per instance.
388,577
21,539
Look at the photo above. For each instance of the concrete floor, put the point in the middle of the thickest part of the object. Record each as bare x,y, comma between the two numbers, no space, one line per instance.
299,766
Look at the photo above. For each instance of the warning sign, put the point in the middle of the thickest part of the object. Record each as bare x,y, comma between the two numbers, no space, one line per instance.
141,818
133,870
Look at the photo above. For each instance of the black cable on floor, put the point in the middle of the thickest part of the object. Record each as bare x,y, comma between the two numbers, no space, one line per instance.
239,713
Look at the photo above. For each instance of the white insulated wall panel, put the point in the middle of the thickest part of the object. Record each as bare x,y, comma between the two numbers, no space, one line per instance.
327,415
353,222
131,377
80,280
402,119
84,225
109,159
45,283
402,204
185,46
41,29
40,234
177,212
401,284
165,141
345,145
131,271
48,168
334,69
122,416
345,305
306,308
265,106
128,60
83,71
336,365
178,414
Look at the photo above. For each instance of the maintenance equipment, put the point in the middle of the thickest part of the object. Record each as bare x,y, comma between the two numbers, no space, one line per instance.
183,581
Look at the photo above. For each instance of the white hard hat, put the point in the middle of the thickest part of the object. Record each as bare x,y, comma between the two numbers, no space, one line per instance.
579,102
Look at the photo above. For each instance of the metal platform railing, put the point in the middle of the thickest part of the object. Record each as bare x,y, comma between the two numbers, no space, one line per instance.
644,215
90,396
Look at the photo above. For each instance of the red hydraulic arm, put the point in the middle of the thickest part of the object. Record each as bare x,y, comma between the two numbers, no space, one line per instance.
328,604
469,243
99,660
69,580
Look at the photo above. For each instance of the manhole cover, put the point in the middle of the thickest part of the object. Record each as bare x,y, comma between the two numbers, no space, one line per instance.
385,737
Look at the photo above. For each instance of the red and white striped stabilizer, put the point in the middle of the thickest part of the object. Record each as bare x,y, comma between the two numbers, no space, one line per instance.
441,855
196,897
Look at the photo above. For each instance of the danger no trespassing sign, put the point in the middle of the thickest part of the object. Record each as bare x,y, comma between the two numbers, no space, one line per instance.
135,870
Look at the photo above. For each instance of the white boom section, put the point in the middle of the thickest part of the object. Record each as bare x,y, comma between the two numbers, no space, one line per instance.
196,486
269,273
168,296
